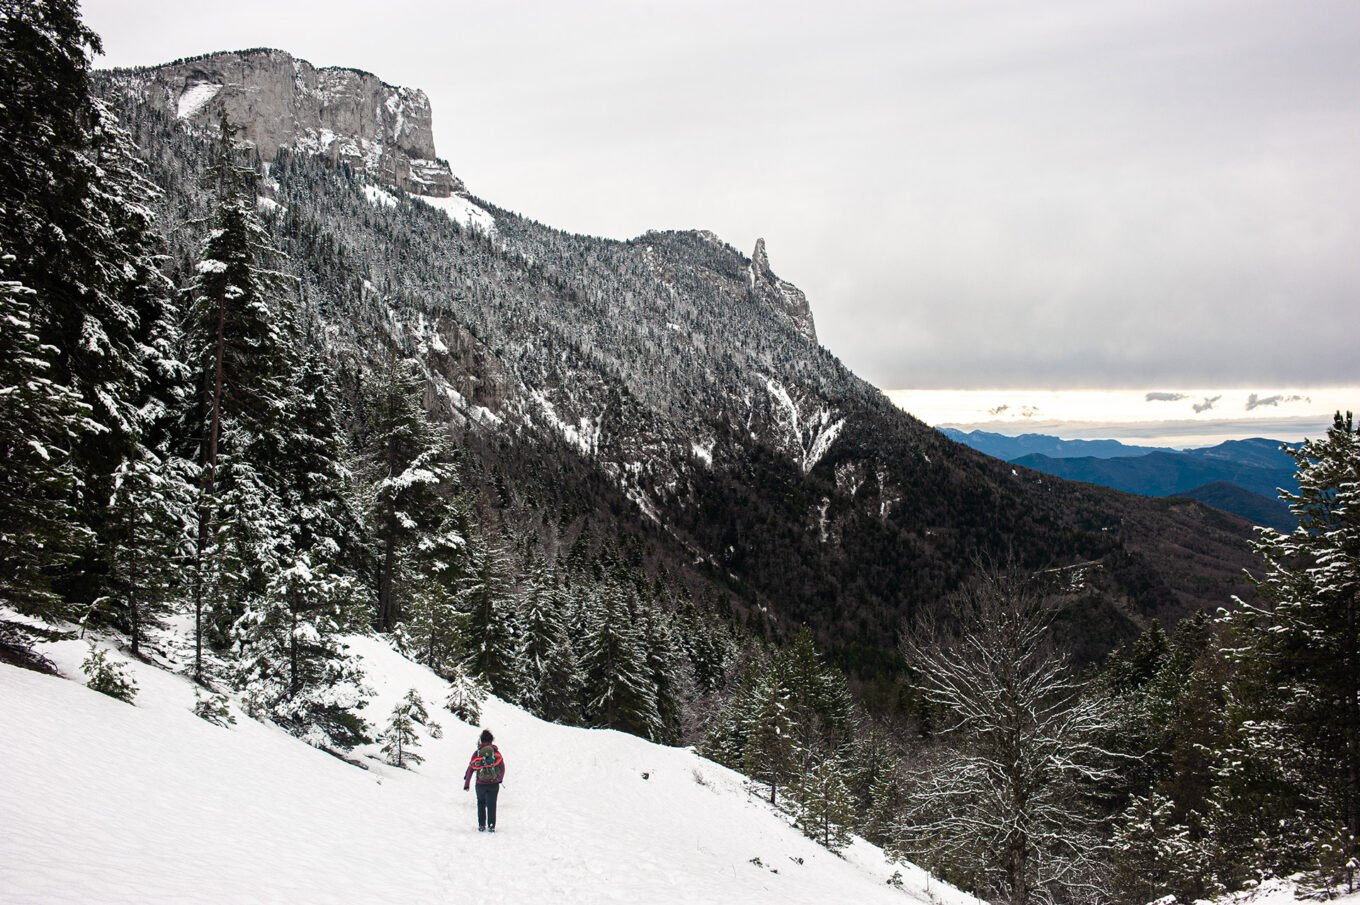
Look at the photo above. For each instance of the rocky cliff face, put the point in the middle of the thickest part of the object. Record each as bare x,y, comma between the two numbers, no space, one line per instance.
280,101
782,293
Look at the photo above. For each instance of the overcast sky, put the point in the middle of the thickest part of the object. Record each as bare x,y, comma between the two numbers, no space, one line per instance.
1123,193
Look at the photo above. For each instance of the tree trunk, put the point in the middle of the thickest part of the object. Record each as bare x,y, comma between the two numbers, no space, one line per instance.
387,604
209,485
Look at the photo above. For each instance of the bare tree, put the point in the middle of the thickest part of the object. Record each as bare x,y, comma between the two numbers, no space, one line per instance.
1000,804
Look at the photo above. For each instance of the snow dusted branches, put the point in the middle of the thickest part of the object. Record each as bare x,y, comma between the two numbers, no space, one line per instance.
1000,804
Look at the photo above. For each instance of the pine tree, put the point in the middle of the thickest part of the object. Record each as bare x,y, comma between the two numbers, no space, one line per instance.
149,532
292,665
316,468
75,212
669,673
490,624
240,340
401,737
409,465
553,675
620,693
1153,855
824,809
465,698
39,423
1300,637
108,678
770,753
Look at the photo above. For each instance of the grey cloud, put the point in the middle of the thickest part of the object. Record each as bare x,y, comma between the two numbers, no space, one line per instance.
1165,397
1206,405
1254,401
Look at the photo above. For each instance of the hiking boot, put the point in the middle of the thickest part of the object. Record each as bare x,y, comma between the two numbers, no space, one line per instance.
491,829
482,829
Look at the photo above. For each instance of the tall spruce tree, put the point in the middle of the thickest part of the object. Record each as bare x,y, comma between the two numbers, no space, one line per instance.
553,676
409,468
620,693
490,624
39,422
75,211
241,340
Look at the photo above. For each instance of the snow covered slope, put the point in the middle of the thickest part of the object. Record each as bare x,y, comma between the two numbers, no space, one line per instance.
106,802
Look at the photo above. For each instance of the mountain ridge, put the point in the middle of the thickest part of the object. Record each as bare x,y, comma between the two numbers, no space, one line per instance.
756,465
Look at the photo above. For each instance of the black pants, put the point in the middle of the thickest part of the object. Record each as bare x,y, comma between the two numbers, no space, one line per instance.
486,803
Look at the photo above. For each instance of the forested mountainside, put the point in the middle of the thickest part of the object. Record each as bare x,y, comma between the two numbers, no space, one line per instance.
682,375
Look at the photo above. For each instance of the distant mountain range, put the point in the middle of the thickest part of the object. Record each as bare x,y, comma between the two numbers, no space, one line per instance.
1238,476
1001,446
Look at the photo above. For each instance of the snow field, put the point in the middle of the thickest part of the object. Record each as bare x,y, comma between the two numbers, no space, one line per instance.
106,802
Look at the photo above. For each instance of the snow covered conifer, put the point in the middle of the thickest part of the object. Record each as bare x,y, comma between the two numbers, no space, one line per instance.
1299,639
400,737
291,664
553,676
669,672
149,538
409,465
39,423
824,809
106,677
465,698
240,353
620,692
1152,855
490,624
770,753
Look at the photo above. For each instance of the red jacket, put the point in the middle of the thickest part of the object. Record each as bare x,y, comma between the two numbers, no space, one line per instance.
496,761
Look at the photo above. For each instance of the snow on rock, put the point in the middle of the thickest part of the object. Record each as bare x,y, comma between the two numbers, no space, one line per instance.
806,432
194,97
108,802
463,212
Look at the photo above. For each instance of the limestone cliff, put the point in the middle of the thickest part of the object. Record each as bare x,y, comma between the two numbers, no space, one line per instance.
281,101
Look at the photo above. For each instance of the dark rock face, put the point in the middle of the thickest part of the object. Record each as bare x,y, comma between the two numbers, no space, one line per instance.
280,101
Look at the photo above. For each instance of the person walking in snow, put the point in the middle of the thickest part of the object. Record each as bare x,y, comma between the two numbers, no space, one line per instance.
489,766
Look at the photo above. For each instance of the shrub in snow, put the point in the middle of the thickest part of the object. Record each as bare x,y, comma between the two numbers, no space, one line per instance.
213,708
108,678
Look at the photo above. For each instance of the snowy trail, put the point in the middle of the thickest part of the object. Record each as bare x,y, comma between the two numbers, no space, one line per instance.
105,802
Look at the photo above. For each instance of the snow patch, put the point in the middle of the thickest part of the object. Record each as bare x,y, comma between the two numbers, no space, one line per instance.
379,197
463,212
192,99
806,432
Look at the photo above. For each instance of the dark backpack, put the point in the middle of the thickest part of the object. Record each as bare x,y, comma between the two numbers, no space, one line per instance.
488,764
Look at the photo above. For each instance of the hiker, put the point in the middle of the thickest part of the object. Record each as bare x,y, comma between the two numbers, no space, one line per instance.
490,768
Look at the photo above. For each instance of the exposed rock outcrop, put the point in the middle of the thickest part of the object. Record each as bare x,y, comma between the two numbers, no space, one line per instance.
281,101
764,284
